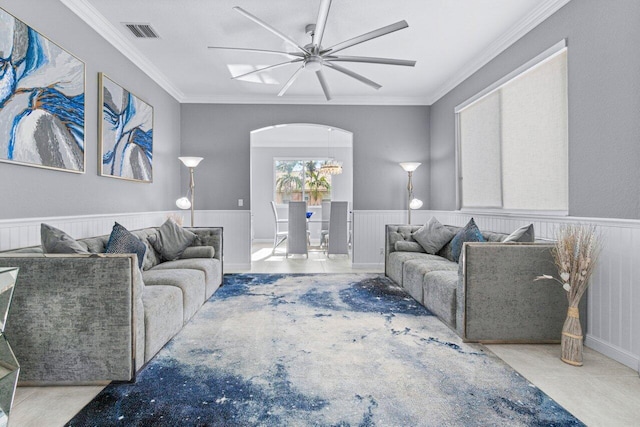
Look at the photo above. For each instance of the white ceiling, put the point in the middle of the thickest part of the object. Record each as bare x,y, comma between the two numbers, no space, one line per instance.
449,39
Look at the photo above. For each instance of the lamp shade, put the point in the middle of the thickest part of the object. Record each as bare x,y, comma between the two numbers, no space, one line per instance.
415,204
410,166
183,203
190,162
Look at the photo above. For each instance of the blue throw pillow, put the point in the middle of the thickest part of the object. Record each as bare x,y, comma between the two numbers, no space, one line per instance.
470,233
121,241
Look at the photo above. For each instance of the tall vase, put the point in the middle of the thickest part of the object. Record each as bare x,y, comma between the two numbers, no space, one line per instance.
571,344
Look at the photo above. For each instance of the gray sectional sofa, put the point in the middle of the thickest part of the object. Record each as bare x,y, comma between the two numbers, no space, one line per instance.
95,318
490,295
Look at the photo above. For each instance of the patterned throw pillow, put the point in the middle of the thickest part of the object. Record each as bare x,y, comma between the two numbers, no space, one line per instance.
121,241
55,241
171,240
470,233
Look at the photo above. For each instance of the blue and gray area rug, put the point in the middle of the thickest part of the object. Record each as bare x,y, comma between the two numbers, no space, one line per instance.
321,350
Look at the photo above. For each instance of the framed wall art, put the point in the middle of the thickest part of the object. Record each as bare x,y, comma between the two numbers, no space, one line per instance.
125,133
42,109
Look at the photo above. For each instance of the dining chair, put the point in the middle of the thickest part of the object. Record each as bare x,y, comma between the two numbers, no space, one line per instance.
338,229
279,236
324,227
297,240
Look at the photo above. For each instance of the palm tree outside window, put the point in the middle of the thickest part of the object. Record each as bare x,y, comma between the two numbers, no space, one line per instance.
301,180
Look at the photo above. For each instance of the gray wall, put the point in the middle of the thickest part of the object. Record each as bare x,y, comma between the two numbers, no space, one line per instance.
35,192
382,137
604,105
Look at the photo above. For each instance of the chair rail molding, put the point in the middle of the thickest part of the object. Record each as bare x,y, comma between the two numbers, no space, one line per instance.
613,299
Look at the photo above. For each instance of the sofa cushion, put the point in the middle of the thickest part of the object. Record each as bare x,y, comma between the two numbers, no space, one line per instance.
122,241
198,252
396,260
96,245
404,246
524,234
171,240
211,267
163,317
470,233
433,236
440,289
415,270
55,241
190,282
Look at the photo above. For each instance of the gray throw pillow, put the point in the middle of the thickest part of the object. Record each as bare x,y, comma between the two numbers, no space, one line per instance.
171,240
523,234
122,241
433,236
55,241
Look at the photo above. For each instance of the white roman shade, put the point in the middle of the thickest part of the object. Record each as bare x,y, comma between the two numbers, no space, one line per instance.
513,140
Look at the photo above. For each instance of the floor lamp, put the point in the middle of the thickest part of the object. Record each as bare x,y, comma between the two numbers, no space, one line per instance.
184,202
414,203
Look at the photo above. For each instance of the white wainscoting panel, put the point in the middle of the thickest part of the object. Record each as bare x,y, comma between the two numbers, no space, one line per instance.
236,235
19,233
368,236
613,300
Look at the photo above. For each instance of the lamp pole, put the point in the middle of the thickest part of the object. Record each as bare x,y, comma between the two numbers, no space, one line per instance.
191,163
409,167
409,190
192,186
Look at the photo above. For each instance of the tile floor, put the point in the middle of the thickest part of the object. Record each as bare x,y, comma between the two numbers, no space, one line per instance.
600,393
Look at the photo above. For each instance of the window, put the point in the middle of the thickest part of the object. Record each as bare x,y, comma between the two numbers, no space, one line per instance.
300,179
513,140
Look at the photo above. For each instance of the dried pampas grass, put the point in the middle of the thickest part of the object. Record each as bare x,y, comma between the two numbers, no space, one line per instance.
575,253
177,218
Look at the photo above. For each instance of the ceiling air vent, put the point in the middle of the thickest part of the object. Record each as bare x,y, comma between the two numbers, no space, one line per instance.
141,31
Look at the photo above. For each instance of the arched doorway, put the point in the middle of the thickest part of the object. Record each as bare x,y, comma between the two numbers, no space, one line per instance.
274,148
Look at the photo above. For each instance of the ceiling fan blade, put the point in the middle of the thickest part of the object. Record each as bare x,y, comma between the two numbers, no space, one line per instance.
323,83
366,37
270,28
323,13
354,75
244,49
370,60
270,67
291,80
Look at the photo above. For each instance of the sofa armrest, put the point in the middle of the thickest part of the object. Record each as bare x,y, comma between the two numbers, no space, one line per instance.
394,233
76,319
209,236
498,300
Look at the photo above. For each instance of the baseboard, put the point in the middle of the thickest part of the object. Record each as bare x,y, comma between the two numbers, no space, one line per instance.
236,267
368,265
616,353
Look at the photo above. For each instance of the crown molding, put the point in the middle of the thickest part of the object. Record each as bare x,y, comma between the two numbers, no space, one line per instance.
92,17
528,23
306,100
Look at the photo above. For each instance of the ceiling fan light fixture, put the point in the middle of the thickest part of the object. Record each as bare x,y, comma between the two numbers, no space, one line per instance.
314,63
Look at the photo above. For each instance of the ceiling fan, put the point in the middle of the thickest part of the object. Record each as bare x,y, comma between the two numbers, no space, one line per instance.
315,57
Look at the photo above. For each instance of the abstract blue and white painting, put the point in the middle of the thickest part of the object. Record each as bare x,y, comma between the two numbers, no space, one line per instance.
41,100
126,133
